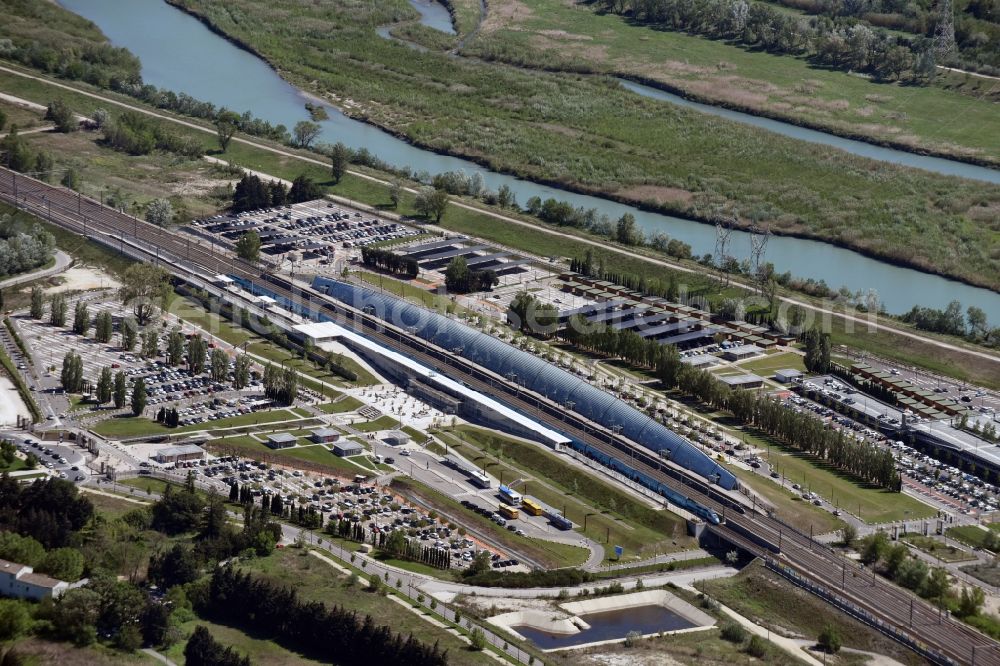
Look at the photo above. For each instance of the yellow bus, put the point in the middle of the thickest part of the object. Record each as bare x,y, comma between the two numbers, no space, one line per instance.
531,507
508,512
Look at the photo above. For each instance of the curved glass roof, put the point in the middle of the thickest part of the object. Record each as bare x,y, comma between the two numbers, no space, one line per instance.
529,371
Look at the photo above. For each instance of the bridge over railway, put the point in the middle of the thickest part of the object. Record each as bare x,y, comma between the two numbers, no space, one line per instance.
796,556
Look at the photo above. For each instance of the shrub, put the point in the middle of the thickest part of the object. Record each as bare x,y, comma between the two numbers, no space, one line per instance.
732,632
829,640
757,647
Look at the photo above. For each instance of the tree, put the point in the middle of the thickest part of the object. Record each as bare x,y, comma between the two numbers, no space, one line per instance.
71,179
57,310
60,114
44,164
103,326
248,246
477,640
63,563
146,288
81,318
241,374
456,275
626,231
829,640
978,327
431,203
139,396
304,133
219,366
196,352
340,157
37,302
14,619
203,650
848,535
105,386
506,197
74,616
175,346
937,584
72,372
177,566
395,192
304,189
970,601
15,153
226,124
129,330
159,212
121,386
150,343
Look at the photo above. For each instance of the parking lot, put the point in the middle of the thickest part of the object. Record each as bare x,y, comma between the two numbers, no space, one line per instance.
360,501
312,233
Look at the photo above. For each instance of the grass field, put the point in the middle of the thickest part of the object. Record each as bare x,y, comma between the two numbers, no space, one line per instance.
613,516
774,603
384,422
970,535
20,116
768,365
345,404
315,580
317,457
939,549
132,426
793,510
871,504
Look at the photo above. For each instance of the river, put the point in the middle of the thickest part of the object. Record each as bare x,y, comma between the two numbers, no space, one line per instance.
174,49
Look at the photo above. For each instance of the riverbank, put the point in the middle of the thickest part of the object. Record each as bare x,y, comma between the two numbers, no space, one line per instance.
804,192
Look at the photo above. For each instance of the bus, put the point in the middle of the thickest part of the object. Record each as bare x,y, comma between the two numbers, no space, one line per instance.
561,521
531,507
508,512
510,496
479,479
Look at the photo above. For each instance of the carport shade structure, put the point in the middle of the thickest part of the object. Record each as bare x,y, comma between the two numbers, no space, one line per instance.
428,247
448,254
530,371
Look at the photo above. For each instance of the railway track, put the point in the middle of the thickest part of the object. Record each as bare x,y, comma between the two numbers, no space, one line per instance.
900,614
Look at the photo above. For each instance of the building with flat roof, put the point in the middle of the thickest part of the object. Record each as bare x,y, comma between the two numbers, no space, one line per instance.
281,440
747,381
740,352
787,375
396,438
347,448
176,454
324,436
